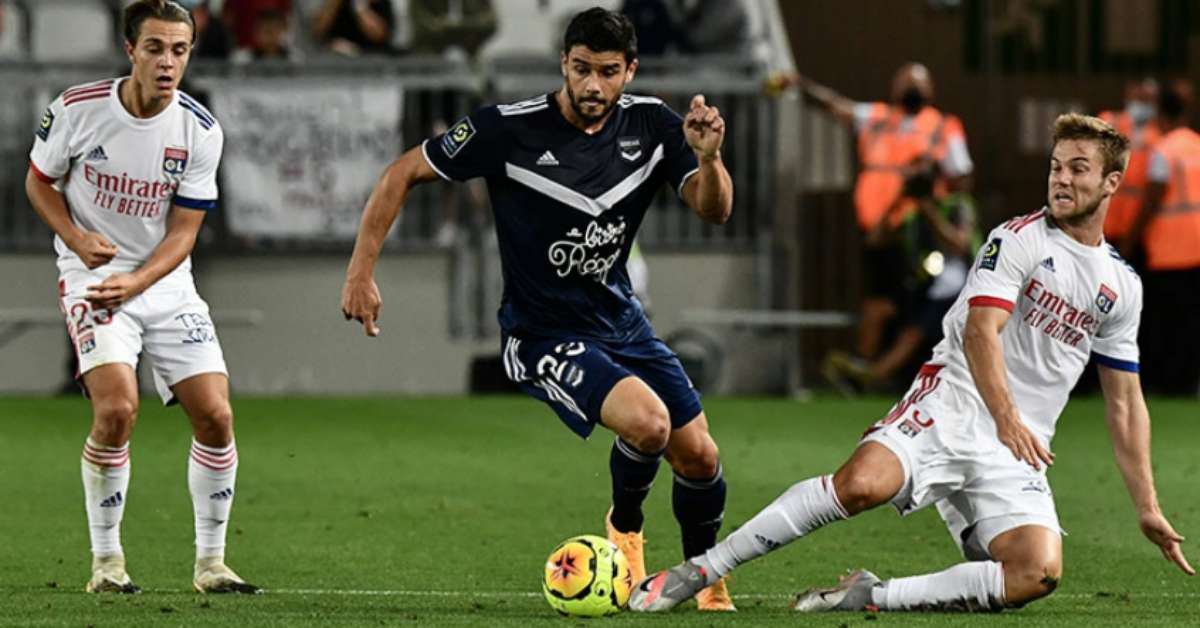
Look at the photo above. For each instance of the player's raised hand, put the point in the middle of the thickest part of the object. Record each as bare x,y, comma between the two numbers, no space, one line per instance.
704,128
1156,528
114,291
1024,445
362,302
94,249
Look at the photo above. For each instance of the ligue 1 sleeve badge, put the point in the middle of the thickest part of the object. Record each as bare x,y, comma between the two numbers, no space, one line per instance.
43,130
174,161
1106,299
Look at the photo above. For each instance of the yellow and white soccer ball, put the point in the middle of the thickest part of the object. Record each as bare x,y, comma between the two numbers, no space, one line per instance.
587,576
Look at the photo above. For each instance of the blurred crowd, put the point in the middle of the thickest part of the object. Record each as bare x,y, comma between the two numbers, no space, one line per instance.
249,30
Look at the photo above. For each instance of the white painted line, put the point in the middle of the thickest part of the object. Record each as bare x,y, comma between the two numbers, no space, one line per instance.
535,594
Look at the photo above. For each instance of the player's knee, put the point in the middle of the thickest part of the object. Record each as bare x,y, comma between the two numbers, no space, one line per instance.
1029,580
652,428
858,491
114,415
701,463
214,424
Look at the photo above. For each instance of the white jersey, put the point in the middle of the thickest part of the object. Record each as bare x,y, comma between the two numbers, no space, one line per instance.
121,174
1068,301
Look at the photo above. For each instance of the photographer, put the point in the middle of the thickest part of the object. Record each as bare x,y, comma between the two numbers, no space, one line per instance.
937,242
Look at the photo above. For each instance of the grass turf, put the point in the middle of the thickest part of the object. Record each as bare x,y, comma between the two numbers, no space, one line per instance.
441,512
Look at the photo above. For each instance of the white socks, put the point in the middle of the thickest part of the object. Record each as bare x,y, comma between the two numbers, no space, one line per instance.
212,472
105,473
974,586
801,509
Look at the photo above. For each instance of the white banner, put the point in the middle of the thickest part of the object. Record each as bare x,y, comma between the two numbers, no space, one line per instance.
301,159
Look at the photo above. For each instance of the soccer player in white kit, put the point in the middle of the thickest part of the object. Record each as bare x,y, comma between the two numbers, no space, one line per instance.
123,170
972,436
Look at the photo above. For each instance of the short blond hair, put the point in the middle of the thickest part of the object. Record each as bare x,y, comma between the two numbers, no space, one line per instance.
1114,147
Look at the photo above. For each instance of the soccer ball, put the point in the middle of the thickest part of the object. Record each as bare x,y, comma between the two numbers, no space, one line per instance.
587,576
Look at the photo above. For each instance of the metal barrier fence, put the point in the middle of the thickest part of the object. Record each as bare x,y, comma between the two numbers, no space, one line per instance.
435,93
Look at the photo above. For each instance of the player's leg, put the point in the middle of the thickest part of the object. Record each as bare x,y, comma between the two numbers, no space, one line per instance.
105,470
1031,556
1003,520
872,476
698,500
1023,565
643,427
901,459
189,367
212,475
585,388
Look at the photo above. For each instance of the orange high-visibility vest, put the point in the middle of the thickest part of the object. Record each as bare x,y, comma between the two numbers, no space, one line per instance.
1173,237
888,142
1124,206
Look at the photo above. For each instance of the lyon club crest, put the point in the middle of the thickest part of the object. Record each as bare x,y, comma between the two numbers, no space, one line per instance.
1106,299
175,161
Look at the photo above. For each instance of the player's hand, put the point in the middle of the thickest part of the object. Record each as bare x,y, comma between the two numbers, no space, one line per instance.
94,249
1024,445
362,302
1159,531
114,291
704,129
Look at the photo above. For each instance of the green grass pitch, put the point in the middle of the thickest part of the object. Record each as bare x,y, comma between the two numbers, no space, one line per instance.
441,512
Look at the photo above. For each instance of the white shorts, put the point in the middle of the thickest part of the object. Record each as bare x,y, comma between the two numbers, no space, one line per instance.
980,488
170,323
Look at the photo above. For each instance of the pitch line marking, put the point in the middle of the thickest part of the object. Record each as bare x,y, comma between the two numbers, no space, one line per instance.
534,594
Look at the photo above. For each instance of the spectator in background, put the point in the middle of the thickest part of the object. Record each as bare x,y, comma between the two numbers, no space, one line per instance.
939,241
12,44
895,141
1168,226
213,39
452,28
441,26
716,27
241,16
691,26
354,27
657,24
271,30
1137,122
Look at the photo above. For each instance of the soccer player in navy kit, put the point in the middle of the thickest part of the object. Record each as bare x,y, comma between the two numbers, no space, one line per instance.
570,175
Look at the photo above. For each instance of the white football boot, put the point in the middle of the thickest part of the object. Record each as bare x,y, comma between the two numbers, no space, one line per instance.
212,576
667,589
108,576
852,593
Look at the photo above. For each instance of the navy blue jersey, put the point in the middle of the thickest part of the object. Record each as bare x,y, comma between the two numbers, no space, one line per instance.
567,206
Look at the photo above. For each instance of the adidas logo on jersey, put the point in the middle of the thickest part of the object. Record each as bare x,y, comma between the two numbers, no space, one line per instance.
1048,264
97,154
223,494
547,159
112,501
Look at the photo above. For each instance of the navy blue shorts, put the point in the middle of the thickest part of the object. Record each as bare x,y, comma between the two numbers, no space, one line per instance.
575,376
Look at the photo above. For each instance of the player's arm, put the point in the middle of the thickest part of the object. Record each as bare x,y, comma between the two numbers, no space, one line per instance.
94,249
183,226
709,192
1128,422
361,300
985,358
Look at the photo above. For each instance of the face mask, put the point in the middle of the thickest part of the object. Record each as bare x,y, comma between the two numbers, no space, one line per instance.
912,100
1140,111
